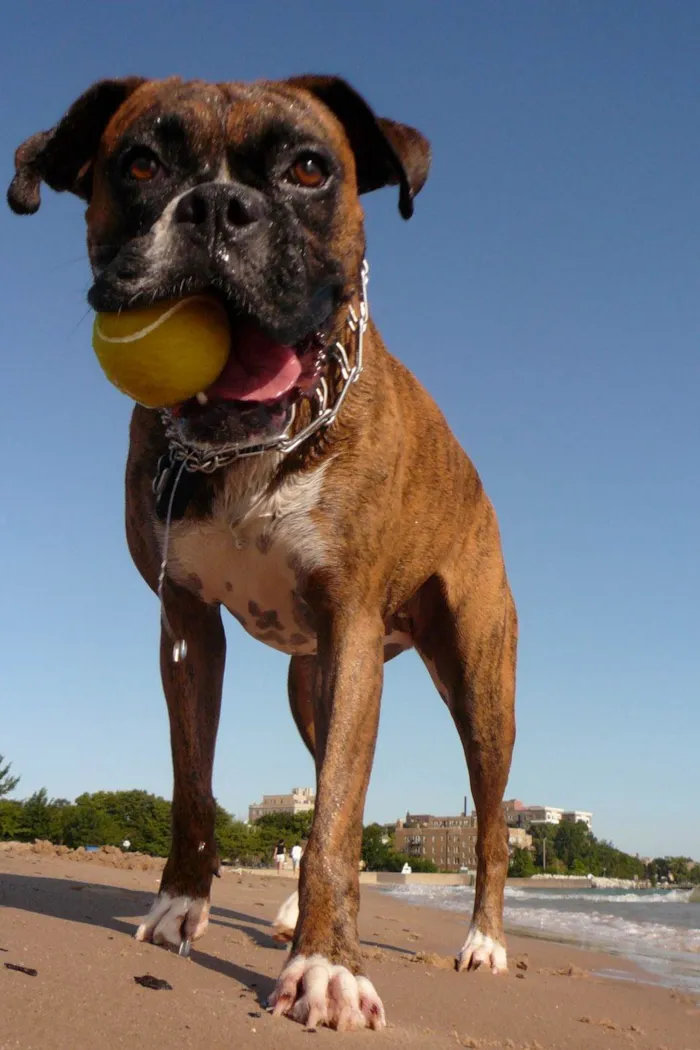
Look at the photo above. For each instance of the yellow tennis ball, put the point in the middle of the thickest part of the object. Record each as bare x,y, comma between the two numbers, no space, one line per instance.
166,353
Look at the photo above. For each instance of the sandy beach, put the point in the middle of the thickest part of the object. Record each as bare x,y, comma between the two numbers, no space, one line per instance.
71,921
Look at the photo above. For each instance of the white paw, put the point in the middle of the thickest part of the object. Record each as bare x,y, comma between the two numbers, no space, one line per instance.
286,919
174,921
479,949
314,992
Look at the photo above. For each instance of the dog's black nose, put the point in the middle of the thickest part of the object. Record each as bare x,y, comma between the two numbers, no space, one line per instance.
221,210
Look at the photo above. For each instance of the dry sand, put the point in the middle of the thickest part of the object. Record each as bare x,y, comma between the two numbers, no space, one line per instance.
71,920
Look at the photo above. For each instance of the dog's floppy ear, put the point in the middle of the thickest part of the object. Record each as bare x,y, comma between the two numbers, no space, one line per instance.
62,157
386,153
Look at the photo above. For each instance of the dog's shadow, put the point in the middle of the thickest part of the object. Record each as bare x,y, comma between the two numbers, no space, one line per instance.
101,905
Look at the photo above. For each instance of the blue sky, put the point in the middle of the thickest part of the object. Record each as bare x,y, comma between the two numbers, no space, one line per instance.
546,293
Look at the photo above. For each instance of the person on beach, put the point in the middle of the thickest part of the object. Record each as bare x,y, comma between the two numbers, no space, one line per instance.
280,855
296,856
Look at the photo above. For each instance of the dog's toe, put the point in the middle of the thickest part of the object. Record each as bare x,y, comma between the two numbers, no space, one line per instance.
173,921
314,992
481,950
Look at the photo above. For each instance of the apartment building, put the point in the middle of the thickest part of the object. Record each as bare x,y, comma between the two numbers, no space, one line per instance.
449,842
576,815
299,800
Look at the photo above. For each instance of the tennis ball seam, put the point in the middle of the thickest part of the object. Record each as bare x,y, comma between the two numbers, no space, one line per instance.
143,332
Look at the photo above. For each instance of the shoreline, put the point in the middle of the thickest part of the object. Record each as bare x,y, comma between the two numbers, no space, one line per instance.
73,922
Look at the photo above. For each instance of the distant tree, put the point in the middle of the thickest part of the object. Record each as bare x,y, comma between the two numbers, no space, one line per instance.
375,851
673,869
37,817
573,842
138,816
395,862
543,844
679,868
522,865
10,819
87,825
245,844
292,827
8,783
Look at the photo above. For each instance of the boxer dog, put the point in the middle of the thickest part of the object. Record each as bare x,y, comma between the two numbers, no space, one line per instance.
314,491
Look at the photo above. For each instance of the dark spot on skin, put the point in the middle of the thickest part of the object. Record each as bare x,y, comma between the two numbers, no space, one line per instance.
194,583
229,586
391,650
300,639
264,620
263,542
273,637
303,616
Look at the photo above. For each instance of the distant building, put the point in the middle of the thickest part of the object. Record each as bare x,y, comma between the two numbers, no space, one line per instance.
427,820
576,815
518,838
300,800
542,815
526,815
449,842
513,809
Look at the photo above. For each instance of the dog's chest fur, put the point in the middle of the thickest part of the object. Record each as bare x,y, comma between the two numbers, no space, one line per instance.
253,553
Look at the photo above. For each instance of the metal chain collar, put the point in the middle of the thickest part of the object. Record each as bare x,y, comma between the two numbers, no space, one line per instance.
206,461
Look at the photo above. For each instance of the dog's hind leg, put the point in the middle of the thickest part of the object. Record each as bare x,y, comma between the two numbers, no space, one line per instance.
301,683
467,636
193,687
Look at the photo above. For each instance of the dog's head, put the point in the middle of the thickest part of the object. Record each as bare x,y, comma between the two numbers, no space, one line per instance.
249,192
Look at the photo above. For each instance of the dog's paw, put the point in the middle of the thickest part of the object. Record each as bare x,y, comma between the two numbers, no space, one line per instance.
286,919
480,949
314,992
174,921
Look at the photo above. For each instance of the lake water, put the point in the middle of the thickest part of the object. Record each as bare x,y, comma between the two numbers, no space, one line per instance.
658,929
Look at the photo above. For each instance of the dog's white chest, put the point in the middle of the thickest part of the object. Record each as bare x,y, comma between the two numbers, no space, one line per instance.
255,566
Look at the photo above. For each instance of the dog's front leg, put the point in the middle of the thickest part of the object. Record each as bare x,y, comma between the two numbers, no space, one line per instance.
324,981
180,912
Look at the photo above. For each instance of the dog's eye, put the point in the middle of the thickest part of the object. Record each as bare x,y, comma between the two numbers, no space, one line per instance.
141,166
309,170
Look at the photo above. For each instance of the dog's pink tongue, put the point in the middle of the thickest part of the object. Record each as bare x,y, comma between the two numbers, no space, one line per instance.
258,369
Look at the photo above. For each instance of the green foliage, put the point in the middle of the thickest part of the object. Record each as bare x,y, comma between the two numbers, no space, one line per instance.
573,849
39,817
141,818
245,844
573,843
396,861
8,783
292,827
522,866
378,854
673,869
10,819
85,825
375,852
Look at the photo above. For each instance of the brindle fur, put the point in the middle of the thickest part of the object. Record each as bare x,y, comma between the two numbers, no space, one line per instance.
409,535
